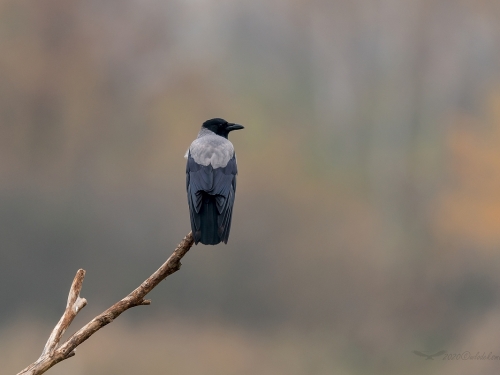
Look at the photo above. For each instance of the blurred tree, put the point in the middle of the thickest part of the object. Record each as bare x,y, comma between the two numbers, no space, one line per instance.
468,208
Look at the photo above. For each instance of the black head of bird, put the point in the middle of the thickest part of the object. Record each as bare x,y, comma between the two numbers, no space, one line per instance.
220,126
211,181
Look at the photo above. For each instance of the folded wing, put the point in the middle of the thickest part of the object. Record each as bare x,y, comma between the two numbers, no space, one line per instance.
218,185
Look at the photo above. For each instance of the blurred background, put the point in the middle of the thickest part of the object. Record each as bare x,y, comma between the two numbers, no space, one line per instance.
367,217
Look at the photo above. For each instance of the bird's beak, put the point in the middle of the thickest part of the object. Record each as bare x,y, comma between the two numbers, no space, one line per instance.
231,127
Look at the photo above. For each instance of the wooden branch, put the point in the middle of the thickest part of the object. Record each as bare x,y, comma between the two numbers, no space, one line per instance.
74,305
52,355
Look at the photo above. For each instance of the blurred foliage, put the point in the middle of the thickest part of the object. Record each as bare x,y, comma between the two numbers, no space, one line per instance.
469,210
366,219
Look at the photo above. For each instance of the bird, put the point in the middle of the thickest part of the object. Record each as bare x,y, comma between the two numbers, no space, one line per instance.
429,356
211,182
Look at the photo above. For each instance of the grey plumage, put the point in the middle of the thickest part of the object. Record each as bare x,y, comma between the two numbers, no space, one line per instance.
211,182
210,148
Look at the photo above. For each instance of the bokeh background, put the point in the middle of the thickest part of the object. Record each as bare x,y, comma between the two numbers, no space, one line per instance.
367,218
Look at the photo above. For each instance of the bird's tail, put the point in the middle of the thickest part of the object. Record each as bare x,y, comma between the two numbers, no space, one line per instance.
208,221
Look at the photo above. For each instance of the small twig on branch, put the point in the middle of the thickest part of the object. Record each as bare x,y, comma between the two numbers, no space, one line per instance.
74,305
52,354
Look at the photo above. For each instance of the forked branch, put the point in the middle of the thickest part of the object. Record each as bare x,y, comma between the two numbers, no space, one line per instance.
52,354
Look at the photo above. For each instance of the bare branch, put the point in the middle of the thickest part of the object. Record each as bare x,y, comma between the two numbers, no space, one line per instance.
52,355
74,305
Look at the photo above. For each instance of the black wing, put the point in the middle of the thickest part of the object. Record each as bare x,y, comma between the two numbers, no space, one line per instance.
218,182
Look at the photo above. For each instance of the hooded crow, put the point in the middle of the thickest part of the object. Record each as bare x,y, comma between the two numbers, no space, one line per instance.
211,182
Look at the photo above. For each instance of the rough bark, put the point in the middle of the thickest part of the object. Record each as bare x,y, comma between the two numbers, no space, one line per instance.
52,354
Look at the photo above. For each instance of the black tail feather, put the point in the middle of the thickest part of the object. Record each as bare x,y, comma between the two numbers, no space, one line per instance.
208,221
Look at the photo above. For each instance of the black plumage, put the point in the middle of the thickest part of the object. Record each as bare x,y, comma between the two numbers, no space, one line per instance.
211,182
